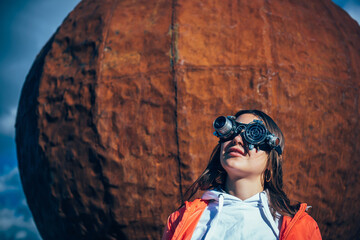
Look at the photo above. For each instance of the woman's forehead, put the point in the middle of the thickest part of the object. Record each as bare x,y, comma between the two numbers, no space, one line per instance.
247,118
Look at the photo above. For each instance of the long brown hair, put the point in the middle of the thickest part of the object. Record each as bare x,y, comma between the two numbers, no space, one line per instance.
214,174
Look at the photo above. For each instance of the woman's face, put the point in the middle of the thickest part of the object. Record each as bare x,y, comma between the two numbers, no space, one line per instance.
237,160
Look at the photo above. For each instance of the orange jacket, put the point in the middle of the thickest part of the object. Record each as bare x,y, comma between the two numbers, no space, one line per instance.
182,223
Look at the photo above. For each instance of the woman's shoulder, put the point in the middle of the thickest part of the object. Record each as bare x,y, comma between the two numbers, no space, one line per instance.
189,212
302,224
188,206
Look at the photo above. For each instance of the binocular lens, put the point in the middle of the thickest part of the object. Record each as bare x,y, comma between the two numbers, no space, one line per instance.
223,126
219,122
255,133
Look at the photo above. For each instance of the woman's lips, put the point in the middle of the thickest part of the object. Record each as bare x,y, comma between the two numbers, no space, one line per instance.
235,152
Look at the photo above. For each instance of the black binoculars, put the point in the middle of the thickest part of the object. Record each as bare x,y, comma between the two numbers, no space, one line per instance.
254,134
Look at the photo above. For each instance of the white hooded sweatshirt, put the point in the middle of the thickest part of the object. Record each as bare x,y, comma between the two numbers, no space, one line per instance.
228,217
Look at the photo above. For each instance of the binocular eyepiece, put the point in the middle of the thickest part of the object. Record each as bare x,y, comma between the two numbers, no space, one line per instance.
254,134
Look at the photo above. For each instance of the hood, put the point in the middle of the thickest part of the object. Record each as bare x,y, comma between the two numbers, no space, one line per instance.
259,200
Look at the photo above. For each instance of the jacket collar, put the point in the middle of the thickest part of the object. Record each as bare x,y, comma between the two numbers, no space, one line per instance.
289,222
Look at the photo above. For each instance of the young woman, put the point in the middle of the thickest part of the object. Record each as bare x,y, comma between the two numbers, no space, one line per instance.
244,197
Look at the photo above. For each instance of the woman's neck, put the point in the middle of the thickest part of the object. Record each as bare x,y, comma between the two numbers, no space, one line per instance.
243,188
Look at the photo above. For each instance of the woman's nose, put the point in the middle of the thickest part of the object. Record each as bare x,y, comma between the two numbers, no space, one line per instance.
237,140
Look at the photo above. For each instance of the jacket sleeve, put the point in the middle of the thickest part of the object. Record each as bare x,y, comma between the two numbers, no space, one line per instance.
305,228
316,233
172,223
310,226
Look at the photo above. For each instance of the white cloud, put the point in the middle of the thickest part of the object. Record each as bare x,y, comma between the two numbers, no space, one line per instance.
16,221
21,235
10,181
7,122
16,227
8,219
353,8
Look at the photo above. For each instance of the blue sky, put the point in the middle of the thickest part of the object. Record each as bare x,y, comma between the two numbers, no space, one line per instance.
25,26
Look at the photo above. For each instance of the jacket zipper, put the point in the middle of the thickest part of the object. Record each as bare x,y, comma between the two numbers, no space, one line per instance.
294,220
